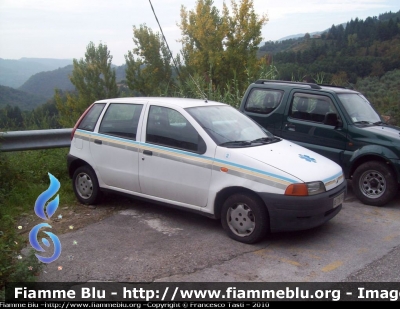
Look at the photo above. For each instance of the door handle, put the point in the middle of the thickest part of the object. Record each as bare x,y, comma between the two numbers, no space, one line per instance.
290,127
97,141
148,152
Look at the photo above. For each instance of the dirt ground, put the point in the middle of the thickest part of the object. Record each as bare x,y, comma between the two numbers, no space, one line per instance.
70,218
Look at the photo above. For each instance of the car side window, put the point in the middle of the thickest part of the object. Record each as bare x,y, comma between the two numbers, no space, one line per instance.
300,107
322,106
311,108
121,120
89,121
263,101
168,127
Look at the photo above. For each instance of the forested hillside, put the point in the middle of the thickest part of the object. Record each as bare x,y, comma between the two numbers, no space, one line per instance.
19,99
13,73
343,54
44,83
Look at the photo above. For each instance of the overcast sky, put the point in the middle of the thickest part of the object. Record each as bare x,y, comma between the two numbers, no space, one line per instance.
63,28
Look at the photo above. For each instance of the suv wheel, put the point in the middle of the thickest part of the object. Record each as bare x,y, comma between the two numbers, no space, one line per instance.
245,218
374,183
86,185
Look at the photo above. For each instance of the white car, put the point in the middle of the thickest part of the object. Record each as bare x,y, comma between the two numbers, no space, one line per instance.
206,157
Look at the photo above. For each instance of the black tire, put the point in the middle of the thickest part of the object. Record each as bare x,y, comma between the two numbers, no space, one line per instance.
374,183
86,185
245,218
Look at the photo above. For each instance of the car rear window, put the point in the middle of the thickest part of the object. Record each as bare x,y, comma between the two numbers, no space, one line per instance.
121,120
89,121
263,101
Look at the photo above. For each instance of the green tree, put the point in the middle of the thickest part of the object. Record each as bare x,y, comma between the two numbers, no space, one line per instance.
43,117
148,70
242,41
11,118
93,79
203,31
222,47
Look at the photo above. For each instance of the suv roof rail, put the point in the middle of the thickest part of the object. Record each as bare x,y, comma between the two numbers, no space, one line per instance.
335,86
264,81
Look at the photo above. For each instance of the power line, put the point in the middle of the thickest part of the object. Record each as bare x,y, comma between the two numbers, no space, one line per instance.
165,40
173,60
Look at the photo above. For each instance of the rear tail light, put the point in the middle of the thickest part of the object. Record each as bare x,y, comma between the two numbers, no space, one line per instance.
79,121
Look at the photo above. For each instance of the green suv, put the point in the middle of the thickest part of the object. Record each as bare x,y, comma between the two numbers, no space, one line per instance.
336,122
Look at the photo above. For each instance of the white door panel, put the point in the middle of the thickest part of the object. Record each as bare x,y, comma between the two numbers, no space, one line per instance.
167,175
116,163
171,167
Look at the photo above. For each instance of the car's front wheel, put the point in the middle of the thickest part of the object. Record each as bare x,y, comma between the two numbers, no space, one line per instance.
374,183
86,185
245,218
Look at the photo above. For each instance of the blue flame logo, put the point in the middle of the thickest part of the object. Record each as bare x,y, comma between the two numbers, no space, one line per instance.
307,158
51,208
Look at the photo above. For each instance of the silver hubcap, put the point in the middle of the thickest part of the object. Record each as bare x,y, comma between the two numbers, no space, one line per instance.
84,185
241,220
372,184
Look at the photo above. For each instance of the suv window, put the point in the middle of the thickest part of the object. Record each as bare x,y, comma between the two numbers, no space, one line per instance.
89,121
263,101
167,127
311,107
121,120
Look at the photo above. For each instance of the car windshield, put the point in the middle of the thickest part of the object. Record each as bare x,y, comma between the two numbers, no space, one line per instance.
230,128
359,108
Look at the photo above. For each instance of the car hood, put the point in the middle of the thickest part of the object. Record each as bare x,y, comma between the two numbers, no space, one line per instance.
390,133
296,162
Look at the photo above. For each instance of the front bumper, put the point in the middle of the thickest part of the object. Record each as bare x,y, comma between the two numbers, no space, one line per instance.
289,213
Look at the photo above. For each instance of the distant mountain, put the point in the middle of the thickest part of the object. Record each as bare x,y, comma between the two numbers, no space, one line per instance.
51,63
44,83
25,101
300,35
13,73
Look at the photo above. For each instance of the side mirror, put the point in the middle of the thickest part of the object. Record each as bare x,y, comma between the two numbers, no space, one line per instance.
331,119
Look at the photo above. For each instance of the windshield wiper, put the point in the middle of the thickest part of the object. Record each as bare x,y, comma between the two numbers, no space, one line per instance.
235,143
363,122
266,140
261,140
379,122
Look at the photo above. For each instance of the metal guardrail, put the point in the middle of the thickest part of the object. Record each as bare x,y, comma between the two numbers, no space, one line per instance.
35,139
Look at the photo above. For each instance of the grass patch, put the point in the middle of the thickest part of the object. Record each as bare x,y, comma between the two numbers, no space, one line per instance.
23,177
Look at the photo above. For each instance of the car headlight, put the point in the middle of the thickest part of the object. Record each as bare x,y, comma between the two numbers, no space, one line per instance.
315,187
305,189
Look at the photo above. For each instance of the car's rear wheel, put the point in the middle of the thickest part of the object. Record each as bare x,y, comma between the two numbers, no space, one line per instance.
86,185
245,218
374,183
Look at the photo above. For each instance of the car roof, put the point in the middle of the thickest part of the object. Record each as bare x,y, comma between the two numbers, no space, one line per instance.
181,102
290,85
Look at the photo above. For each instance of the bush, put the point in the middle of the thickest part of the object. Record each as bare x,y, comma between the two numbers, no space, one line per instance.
23,177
